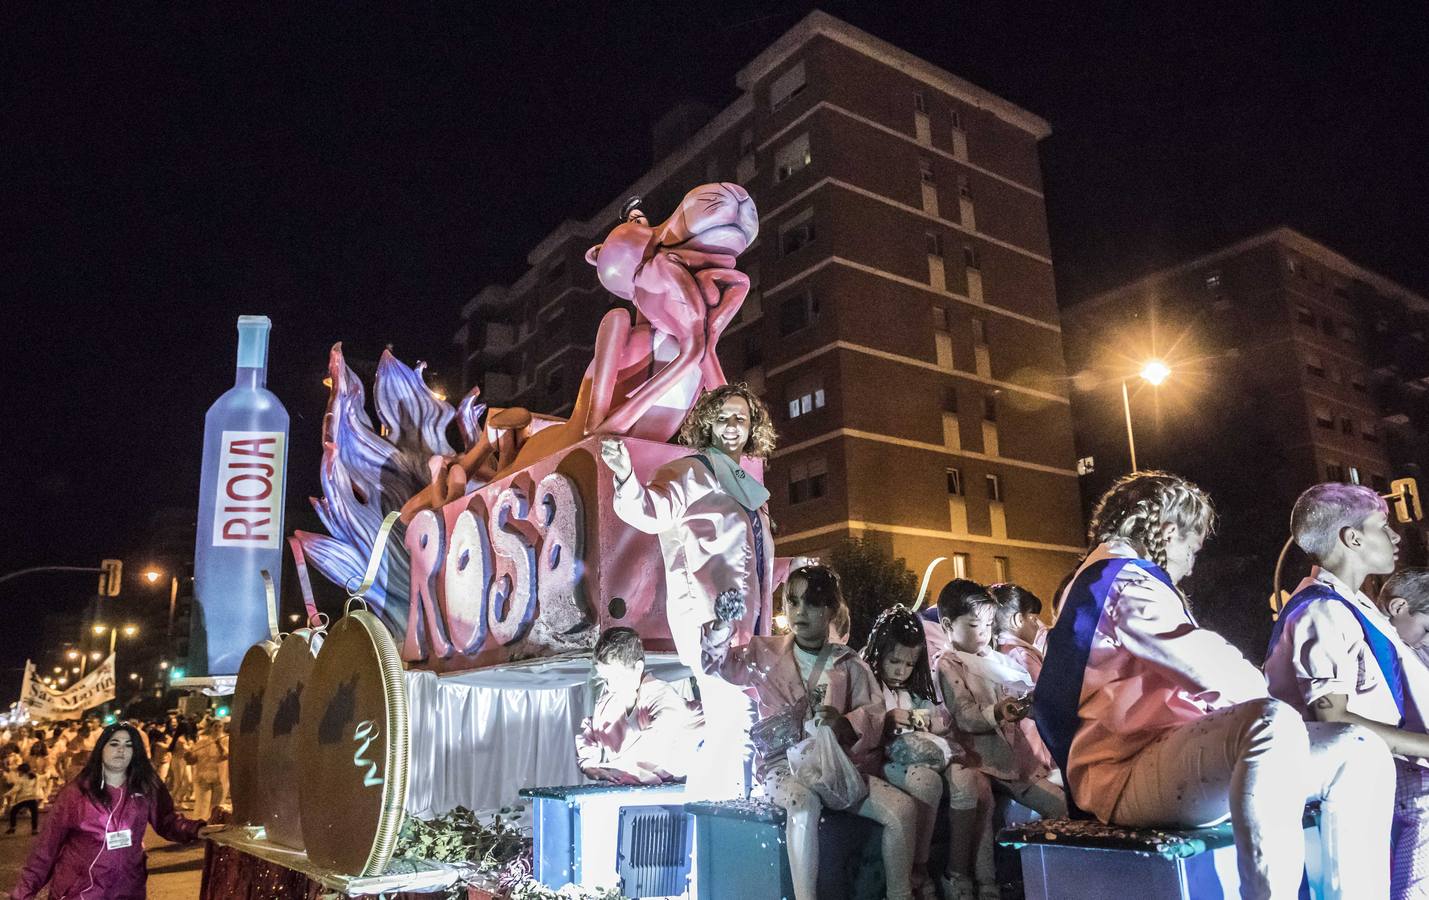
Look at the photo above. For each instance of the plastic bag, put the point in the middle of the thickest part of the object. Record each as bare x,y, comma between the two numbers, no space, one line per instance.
823,766
919,748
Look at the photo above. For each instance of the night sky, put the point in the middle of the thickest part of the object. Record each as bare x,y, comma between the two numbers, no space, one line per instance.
357,176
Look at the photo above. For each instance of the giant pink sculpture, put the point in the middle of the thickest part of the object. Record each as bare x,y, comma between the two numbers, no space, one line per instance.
680,275
511,547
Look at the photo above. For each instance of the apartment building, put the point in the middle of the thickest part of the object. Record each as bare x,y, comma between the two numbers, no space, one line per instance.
902,325
1290,364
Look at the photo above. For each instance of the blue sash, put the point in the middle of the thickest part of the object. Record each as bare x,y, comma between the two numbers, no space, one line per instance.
1379,644
1056,704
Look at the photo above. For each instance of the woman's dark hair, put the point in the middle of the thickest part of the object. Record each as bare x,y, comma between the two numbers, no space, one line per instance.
823,589
140,777
960,597
1012,599
898,627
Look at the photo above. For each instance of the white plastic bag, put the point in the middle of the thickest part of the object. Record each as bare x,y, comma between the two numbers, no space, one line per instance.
822,765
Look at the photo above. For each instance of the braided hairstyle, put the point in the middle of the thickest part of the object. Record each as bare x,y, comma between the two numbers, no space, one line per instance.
898,627
1135,508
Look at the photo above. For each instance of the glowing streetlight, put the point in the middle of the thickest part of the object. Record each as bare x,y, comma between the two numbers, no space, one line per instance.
72,655
1153,372
163,663
59,669
153,575
131,630
63,681
96,655
100,628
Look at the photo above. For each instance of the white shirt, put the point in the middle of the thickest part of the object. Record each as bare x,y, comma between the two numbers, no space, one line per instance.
1322,650
805,662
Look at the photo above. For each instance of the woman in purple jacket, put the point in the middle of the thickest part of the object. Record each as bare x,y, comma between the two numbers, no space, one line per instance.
92,843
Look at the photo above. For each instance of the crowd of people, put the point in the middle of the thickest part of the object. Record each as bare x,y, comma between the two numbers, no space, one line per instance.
100,788
1126,710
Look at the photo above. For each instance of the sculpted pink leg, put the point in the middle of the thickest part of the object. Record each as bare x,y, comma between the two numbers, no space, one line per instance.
610,342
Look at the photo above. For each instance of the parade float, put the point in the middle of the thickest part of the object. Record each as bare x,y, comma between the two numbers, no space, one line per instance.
479,580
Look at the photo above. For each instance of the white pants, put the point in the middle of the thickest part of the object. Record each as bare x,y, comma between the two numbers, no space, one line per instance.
885,804
207,795
718,771
1258,763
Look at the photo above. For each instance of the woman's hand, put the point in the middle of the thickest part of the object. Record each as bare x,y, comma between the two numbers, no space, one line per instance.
616,457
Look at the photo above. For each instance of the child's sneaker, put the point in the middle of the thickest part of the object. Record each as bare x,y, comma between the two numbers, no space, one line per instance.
957,886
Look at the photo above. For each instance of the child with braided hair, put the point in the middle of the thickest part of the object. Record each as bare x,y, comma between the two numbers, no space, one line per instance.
1156,721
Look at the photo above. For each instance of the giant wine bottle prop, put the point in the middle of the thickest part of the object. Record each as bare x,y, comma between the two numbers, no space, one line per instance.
240,516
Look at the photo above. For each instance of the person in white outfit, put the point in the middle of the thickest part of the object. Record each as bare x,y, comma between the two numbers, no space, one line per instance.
1156,721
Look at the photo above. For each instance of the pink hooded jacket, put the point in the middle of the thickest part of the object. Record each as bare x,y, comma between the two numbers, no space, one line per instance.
708,546
654,742
71,855
767,664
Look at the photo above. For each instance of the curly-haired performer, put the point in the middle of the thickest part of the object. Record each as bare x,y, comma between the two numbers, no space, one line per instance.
713,523
1156,721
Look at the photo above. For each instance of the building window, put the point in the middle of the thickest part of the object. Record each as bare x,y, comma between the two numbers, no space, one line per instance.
955,482
792,157
1213,281
1354,473
797,233
957,120
1379,483
965,187
925,170
994,488
1369,432
1347,425
787,86
553,380
798,312
807,480
950,398
934,242
1292,266
1002,569
989,408
970,256
753,353
1334,472
746,141
940,318
962,564
557,271
805,396
1324,418
979,331
1304,315
920,102
1314,365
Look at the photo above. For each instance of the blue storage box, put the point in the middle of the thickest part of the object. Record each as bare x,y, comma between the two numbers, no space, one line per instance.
601,835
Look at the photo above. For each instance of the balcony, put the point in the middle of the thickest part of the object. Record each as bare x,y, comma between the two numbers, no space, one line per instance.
498,339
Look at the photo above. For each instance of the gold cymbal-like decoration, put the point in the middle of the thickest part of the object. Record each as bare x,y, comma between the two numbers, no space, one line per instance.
353,751
245,764
280,750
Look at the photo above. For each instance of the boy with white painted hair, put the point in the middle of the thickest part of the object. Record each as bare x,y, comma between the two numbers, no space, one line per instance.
1337,657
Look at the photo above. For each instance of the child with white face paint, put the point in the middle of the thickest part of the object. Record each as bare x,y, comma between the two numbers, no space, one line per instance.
987,694
1337,657
1158,722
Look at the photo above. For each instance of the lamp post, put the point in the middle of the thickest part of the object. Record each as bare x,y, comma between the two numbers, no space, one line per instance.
1153,372
152,576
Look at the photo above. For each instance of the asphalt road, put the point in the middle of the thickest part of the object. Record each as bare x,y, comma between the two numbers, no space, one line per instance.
174,871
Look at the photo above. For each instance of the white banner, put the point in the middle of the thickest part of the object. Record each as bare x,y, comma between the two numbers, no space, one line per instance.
43,702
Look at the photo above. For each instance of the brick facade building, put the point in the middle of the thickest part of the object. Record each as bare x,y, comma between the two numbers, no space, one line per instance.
903,323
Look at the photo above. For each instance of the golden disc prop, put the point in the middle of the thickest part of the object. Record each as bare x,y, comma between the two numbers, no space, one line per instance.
353,748
244,751
280,750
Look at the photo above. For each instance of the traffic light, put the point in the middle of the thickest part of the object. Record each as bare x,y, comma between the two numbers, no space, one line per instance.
110,572
1405,497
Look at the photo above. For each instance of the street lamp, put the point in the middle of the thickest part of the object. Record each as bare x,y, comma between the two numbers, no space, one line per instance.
72,655
1153,372
153,576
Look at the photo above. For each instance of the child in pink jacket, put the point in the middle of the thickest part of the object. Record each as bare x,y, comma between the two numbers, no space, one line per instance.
1158,722
1020,633
845,697
642,731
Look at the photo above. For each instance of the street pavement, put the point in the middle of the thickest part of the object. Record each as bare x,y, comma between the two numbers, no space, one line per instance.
174,871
